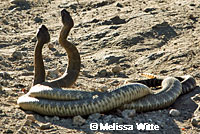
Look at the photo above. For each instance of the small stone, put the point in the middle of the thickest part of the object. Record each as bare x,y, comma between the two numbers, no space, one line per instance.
119,5
15,25
194,121
1,88
17,55
38,20
45,126
46,118
30,117
102,73
50,46
129,113
52,73
116,69
94,116
28,122
78,120
55,118
104,89
174,112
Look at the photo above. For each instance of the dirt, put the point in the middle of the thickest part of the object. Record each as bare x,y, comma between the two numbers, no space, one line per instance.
152,36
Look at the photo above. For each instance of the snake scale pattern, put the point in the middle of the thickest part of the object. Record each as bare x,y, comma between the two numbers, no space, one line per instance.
48,98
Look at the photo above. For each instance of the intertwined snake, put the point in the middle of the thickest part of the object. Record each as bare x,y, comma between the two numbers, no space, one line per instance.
48,98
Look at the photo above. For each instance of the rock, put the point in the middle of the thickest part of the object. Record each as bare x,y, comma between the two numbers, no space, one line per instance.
128,113
102,73
30,117
50,46
104,89
17,55
16,25
174,112
119,5
1,88
194,121
78,120
46,118
38,20
45,126
116,69
55,118
52,73
28,122
17,1
94,116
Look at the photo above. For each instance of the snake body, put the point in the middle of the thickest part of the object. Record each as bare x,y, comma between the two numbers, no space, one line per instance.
48,98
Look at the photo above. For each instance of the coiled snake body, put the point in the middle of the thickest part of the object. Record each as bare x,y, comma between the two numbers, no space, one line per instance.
49,99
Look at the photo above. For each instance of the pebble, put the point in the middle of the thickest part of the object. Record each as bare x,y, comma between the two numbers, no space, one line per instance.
16,25
194,121
50,46
17,55
102,73
55,118
52,73
116,69
128,113
1,88
104,89
45,126
28,122
174,112
78,120
30,117
38,20
94,116
119,5
46,118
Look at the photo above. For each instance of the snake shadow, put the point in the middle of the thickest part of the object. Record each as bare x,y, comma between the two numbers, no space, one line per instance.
186,105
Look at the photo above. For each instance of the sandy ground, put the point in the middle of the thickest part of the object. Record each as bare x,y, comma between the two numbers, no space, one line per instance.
152,36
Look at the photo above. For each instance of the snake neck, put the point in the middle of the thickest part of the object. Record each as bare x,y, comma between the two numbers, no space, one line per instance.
39,72
74,62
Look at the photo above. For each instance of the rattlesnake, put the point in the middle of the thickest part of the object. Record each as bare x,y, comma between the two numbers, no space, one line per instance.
42,96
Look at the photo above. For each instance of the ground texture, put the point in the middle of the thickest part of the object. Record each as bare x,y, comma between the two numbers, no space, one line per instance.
117,40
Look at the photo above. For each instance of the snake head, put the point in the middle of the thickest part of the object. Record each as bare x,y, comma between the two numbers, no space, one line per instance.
67,19
43,34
